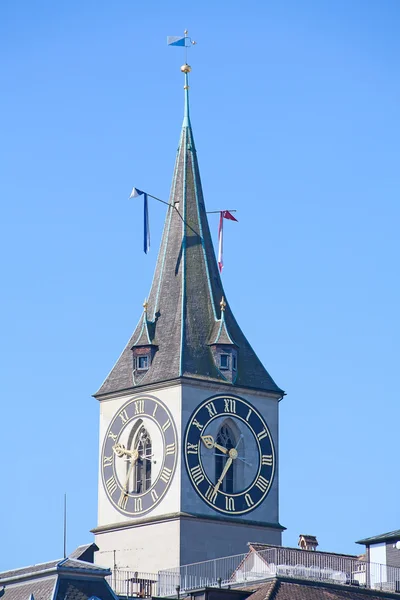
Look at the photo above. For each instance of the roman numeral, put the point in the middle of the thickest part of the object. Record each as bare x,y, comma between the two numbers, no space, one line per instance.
266,459
166,425
113,436
229,503
154,495
123,500
169,449
107,461
124,416
263,434
197,474
197,424
138,505
248,414
139,407
262,483
230,405
212,411
211,494
155,409
192,448
166,475
249,500
111,485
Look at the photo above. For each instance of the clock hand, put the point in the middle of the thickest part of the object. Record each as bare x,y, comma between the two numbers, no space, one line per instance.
135,456
224,472
238,458
240,439
209,443
120,450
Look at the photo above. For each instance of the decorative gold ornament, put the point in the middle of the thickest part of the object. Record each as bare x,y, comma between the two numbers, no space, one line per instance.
186,68
145,305
222,304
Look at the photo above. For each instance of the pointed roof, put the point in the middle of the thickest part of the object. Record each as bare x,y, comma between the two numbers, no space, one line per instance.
183,315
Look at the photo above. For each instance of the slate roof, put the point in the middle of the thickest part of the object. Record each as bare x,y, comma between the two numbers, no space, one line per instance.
66,564
41,588
82,589
281,588
84,552
184,301
383,537
66,579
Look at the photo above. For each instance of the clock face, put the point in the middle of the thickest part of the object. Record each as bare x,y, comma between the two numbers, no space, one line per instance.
139,455
230,456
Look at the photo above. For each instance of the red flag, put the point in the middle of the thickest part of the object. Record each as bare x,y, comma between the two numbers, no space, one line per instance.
224,214
227,215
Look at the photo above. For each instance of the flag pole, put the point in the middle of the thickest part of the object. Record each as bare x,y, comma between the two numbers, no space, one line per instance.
65,525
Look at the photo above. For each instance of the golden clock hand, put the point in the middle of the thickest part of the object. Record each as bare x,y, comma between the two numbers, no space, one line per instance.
224,472
209,443
135,456
120,450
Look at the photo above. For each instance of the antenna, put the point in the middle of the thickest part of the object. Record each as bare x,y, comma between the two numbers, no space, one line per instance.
65,525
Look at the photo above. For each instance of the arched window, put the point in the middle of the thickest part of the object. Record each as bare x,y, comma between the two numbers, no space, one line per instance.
140,440
226,439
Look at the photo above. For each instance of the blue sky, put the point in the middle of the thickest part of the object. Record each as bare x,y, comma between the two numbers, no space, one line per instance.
295,114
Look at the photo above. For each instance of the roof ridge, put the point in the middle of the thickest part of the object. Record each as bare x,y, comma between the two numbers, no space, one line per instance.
273,591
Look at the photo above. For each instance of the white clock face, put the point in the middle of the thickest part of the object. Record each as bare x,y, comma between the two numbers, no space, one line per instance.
229,454
139,455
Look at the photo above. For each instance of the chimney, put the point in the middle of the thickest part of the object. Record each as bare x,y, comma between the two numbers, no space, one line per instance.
308,542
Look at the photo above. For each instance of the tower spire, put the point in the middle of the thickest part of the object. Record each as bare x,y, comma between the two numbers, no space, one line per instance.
186,70
183,323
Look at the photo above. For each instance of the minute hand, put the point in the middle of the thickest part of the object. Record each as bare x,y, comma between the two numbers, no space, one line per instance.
224,472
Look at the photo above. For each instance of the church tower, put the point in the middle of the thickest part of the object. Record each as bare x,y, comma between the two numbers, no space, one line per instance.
188,415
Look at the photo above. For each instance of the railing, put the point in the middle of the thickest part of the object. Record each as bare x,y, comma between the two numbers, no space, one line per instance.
253,566
133,583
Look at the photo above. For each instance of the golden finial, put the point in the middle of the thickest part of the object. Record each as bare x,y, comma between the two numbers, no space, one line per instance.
186,68
145,305
222,304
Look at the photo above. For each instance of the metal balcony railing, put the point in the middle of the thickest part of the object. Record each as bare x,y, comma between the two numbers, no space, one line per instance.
244,569
134,583
255,566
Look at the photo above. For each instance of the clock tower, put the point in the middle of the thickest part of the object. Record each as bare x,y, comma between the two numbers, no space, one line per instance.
189,451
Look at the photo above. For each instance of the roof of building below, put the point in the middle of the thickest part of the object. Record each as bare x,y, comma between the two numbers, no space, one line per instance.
383,537
53,567
282,588
66,579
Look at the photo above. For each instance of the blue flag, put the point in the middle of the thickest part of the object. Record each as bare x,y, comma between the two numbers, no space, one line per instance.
174,40
146,231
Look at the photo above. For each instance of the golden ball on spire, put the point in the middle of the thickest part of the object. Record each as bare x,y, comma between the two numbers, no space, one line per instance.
186,68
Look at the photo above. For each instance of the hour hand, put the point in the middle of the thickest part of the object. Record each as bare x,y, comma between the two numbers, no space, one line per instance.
209,443
120,450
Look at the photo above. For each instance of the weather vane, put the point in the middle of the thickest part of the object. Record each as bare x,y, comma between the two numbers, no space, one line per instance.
185,42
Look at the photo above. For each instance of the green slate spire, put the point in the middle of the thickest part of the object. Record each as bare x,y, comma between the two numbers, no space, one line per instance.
183,314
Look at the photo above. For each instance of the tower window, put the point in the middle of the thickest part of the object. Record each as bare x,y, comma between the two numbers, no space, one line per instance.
224,361
143,464
142,363
234,362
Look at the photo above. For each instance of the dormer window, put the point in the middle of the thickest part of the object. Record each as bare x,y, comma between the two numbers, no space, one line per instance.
224,361
234,362
142,363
